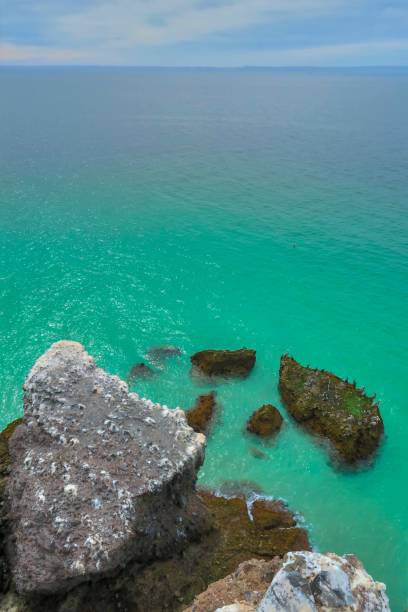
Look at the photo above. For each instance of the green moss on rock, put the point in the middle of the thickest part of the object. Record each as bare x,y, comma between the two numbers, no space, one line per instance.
332,408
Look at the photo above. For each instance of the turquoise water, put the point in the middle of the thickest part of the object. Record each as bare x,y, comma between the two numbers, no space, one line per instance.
221,209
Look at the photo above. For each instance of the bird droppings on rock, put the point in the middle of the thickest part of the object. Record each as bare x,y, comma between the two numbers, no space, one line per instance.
97,478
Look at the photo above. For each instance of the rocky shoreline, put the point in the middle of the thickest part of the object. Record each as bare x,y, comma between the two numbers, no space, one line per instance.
99,508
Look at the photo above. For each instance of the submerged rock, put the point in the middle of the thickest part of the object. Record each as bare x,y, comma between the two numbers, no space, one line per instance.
332,408
200,417
159,354
258,454
265,422
239,488
224,363
98,476
311,582
140,371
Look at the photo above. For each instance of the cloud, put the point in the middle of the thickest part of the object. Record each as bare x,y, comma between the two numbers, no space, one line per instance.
161,22
206,32
327,55
12,53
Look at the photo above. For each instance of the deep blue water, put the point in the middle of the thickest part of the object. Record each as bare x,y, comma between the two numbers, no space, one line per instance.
221,209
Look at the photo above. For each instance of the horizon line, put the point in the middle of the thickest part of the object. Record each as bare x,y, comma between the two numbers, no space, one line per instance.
208,66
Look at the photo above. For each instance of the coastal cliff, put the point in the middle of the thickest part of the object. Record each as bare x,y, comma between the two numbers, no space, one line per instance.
99,509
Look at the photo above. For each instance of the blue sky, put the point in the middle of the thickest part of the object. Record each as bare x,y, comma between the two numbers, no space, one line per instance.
205,32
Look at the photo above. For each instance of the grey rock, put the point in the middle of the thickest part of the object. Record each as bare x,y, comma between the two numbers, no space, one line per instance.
99,476
311,582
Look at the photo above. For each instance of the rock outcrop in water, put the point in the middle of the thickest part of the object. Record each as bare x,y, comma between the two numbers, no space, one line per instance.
200,417
98,476
265,422
331,408
224,363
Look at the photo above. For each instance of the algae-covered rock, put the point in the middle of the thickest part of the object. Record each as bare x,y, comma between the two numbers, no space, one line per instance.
200,417
224,363
332,408
269,514
311,582
265,422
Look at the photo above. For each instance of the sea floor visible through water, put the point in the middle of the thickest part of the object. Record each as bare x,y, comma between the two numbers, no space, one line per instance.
221,209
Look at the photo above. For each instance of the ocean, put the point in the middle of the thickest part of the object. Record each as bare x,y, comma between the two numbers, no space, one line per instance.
221,209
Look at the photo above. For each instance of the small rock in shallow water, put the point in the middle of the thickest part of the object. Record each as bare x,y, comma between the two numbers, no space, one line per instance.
140,371
224,363
265,422
200,417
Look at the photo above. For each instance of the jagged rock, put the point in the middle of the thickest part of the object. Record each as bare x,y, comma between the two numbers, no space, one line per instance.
200,417
98,476
159,354
265,422
139,371
332,408
242,590
224,363
311,582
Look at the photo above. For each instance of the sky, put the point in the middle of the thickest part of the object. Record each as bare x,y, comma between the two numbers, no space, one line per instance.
205,32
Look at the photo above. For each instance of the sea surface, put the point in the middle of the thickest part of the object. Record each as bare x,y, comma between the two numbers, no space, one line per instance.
221,209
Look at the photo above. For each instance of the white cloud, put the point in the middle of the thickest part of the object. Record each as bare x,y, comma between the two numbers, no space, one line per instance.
11,53
327,55
158,22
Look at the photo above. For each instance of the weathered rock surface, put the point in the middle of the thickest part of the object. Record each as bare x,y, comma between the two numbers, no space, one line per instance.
99,477
4,473
241,537
265,422
224,363
200,417
244,587
140,371
159,354
332,408
269,514
311,582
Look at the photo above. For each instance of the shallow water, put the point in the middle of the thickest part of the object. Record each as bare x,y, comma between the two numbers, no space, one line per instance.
221,209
